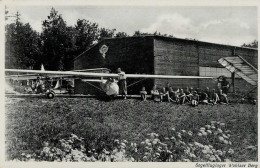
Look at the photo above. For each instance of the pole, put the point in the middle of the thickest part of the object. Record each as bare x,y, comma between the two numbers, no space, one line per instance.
233,81
60,84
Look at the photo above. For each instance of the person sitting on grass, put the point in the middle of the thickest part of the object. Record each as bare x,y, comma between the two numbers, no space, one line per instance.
155,94
188,93
33,86
204,98
173,96
39,85
223,97
199,91
168,86
194,99
182,97
208,92
214,98
164,95
191,90
143,94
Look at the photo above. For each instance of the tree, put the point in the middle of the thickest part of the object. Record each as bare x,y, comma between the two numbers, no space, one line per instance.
21,46
56,43
106,33
121,34
254,44
158,33
86,35
138,33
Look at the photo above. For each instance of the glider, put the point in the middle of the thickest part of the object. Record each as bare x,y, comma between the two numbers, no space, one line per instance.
108,85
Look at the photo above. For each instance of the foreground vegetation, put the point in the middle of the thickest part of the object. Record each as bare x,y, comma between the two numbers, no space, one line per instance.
86,129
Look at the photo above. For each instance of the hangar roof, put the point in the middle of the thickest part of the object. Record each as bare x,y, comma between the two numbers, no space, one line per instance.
165,38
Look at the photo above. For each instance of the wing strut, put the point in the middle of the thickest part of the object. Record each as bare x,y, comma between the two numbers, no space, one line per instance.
136,82
94,86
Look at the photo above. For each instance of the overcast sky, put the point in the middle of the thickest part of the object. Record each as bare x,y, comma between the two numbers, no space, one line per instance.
224,25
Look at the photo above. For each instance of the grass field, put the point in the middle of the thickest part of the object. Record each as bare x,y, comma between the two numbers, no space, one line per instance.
32,121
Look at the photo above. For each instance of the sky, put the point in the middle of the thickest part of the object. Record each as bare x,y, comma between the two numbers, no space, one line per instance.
223,25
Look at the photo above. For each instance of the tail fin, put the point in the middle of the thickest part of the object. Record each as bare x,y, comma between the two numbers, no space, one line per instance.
42,68
57,85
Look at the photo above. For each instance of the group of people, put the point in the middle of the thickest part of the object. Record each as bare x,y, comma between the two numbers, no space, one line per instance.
37,85
181,96
31,86
188,95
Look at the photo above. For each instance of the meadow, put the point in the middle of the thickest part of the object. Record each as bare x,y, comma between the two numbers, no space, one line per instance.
31,123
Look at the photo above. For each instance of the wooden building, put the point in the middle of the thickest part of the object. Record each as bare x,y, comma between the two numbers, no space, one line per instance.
165,56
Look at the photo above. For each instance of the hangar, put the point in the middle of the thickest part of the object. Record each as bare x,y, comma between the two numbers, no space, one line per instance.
162,55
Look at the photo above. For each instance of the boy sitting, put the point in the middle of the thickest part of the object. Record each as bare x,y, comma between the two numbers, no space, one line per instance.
182,97
164,95
143,94
214,98
223,97
188,93
194,99
173,97
155,94
204,98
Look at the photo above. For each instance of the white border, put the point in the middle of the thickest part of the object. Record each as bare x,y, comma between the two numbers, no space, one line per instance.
130,3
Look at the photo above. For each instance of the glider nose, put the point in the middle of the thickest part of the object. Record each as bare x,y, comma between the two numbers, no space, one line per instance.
113,89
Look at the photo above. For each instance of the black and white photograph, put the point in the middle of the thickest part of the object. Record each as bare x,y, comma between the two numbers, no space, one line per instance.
131,83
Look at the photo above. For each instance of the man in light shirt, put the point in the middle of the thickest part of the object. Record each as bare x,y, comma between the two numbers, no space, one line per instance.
122,82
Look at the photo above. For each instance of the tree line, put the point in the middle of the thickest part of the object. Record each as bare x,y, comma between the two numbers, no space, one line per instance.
254,44
57,44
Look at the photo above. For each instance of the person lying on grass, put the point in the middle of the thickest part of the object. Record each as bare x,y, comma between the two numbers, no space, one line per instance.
194,99
214,98
182,96
143,94
223,97
155,94
164,95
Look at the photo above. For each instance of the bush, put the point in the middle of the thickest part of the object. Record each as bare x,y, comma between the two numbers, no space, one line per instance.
209,143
